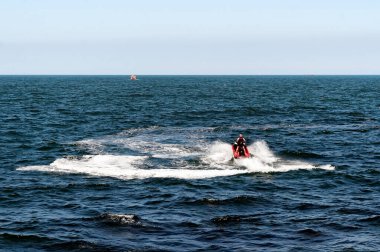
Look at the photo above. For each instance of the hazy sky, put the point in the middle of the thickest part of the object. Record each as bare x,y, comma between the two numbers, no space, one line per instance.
190,37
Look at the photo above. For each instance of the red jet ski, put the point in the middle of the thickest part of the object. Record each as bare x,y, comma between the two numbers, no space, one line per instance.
240,151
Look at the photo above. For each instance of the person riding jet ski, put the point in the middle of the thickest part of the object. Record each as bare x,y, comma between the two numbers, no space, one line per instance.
239,148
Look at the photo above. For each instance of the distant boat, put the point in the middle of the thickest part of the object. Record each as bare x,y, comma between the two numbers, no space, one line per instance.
133,77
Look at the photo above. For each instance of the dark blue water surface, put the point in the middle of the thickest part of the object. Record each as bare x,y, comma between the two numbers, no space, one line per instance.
102,163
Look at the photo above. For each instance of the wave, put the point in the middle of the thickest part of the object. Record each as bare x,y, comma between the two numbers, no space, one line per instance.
119,219
310,206
309,232
237,200
23,237
374,219
300,154
231,219
78,245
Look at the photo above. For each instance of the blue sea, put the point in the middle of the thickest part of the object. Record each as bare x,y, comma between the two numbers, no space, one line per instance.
102,163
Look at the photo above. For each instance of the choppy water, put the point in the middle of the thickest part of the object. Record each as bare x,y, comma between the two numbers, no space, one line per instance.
106,164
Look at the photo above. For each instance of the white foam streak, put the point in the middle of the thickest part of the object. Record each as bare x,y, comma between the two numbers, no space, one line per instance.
98,165
124,167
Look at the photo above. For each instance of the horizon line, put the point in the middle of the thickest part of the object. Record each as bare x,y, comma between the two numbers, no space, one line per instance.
190,74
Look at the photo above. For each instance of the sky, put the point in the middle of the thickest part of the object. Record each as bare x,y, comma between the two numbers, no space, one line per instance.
250,37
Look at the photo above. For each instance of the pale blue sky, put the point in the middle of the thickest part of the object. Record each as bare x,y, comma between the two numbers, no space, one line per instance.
190,37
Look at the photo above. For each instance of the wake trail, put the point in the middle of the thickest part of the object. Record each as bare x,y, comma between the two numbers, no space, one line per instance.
153,154
124,167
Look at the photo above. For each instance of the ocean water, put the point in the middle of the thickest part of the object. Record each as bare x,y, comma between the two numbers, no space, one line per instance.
102,163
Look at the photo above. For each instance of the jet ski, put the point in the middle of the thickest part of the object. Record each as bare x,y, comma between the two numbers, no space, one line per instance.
240,151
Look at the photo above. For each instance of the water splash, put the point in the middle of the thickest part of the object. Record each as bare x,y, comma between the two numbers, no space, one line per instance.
263,160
